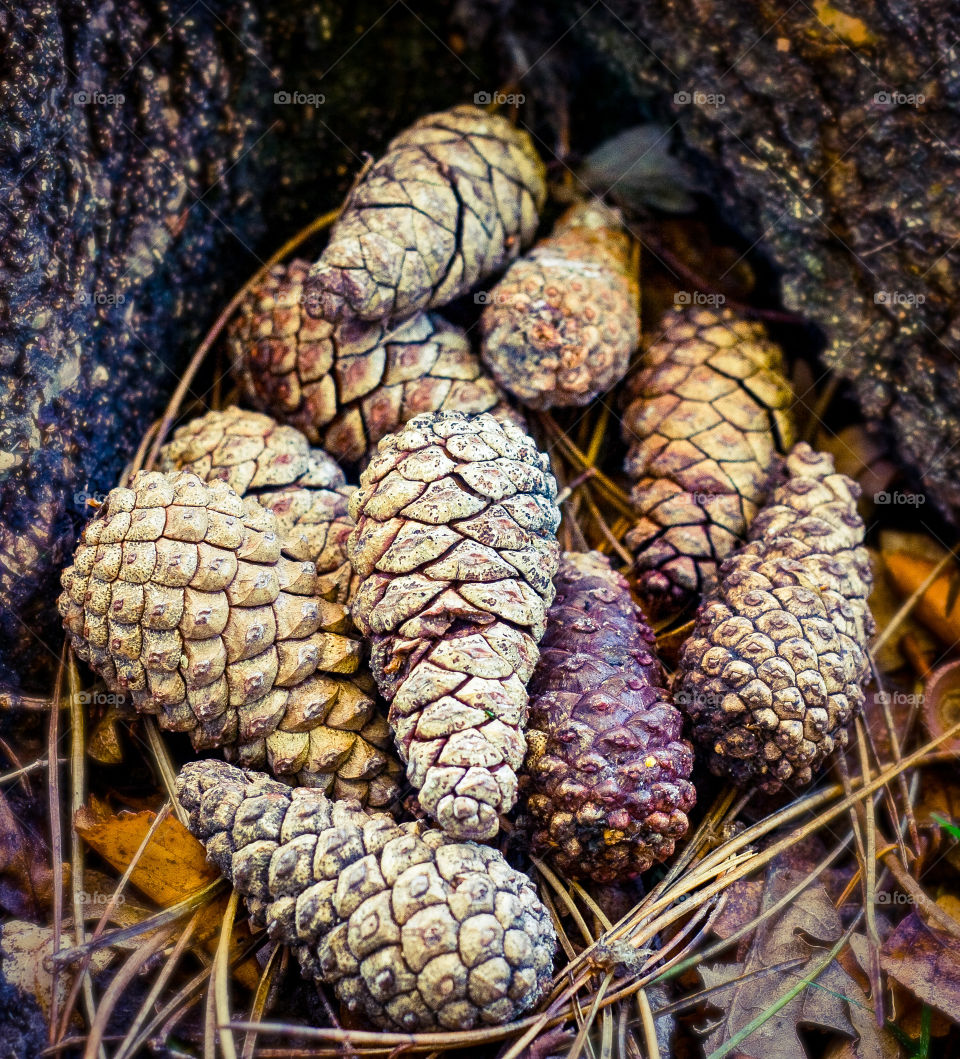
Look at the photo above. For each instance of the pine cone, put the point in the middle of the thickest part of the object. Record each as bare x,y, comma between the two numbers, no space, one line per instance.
562,324
454,198
455,544
709,412
274,464
607,774
414,930
347,386
181,596
771,674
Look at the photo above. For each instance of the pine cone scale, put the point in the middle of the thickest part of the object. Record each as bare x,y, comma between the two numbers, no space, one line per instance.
770,677
708,414
413,930
207,624
607,777
447,600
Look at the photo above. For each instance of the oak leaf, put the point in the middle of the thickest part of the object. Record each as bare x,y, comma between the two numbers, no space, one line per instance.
784,950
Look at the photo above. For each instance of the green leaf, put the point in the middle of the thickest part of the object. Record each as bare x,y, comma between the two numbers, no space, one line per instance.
951,829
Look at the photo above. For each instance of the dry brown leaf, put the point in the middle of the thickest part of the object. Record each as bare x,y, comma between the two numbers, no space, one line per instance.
909,560
103,742
25,961
834,1001
885,600
926,962
173,866
26,876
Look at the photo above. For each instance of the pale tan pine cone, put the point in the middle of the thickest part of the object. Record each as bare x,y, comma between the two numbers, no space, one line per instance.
303,487
708,413
414,930
561,325
453,198
180,595
346,386
607,775
455,543
771,675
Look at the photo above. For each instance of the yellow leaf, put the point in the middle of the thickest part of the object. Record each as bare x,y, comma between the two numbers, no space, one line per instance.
172,867
939,606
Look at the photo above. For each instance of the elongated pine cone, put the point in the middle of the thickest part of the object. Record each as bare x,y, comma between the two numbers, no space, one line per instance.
607,773
414,930
303,487
455,542
770,677
562,324
453,199
709,412
349,385
180,595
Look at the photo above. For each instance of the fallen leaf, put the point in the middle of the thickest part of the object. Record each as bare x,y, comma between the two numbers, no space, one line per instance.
103,743
885,600
910,559
926,962
25,961
26,875
172,867
804,931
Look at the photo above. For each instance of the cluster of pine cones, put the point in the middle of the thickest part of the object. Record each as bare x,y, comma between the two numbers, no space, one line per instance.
334,635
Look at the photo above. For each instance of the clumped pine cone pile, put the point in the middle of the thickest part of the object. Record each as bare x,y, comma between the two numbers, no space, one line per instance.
347,385
180,595
560,327
455,544
303,487
607,773
709,411
770,677
414,930
454,198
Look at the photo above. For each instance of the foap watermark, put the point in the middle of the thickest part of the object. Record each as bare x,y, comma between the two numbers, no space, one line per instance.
501,99
697,297
88,498
898,297
898,698
98,698
896,897
699,99
102,899
99,297
491,297
99,99
899,499
300,99
703,499
899,99
688,699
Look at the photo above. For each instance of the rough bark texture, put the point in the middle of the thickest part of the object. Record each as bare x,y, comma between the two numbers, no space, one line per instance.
607,776
770,677
455,543
414,930
562,324
828,134
127,222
